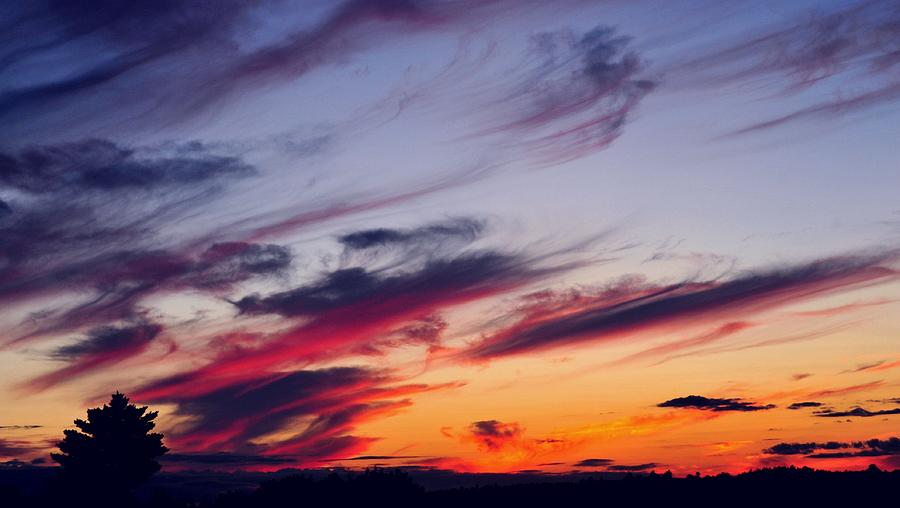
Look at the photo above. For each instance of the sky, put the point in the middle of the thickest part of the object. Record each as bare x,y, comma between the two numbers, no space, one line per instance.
468,235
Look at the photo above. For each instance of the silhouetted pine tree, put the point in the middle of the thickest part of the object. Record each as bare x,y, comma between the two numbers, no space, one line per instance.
114,447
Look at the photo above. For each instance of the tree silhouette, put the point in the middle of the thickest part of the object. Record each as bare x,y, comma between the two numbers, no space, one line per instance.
113,447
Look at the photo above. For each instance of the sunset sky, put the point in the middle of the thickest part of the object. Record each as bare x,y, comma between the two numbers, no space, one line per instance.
472,235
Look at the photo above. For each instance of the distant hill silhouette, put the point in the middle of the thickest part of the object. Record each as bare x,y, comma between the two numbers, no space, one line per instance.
780,486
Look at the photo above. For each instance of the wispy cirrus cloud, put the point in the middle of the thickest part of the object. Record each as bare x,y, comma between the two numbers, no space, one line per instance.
881,366
844,390
724,331
572,96
207,54
849,48
842,309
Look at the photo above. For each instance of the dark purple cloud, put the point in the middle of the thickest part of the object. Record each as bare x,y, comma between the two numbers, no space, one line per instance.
108,339
594,463
96,165
870,448
431,236
75,195
468,273
101,347
634,305
801,405
714,404
494,435
84,208
857,411
357,310
633,467
332,401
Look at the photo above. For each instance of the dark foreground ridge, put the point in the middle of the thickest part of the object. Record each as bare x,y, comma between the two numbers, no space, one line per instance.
27,486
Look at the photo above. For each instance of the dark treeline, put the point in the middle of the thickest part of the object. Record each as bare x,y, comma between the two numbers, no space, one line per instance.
395,487
110,459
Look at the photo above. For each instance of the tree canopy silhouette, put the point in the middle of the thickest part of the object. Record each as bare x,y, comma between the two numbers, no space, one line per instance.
114,446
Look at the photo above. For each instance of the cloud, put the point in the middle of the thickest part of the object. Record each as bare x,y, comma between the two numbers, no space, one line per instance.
801,405
470,273
857,411
827,110
712,404
724,331
865,366
20,427
573,95
593,463
16,448
884,366
259,383
804,448
842,309
166,63
122,280
870,448
109,339
76,200
633,305
505,446
97,165
84,226
101,347
330,403
430,236
634,467
494,435
353,308
839,45
835,392
45,29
